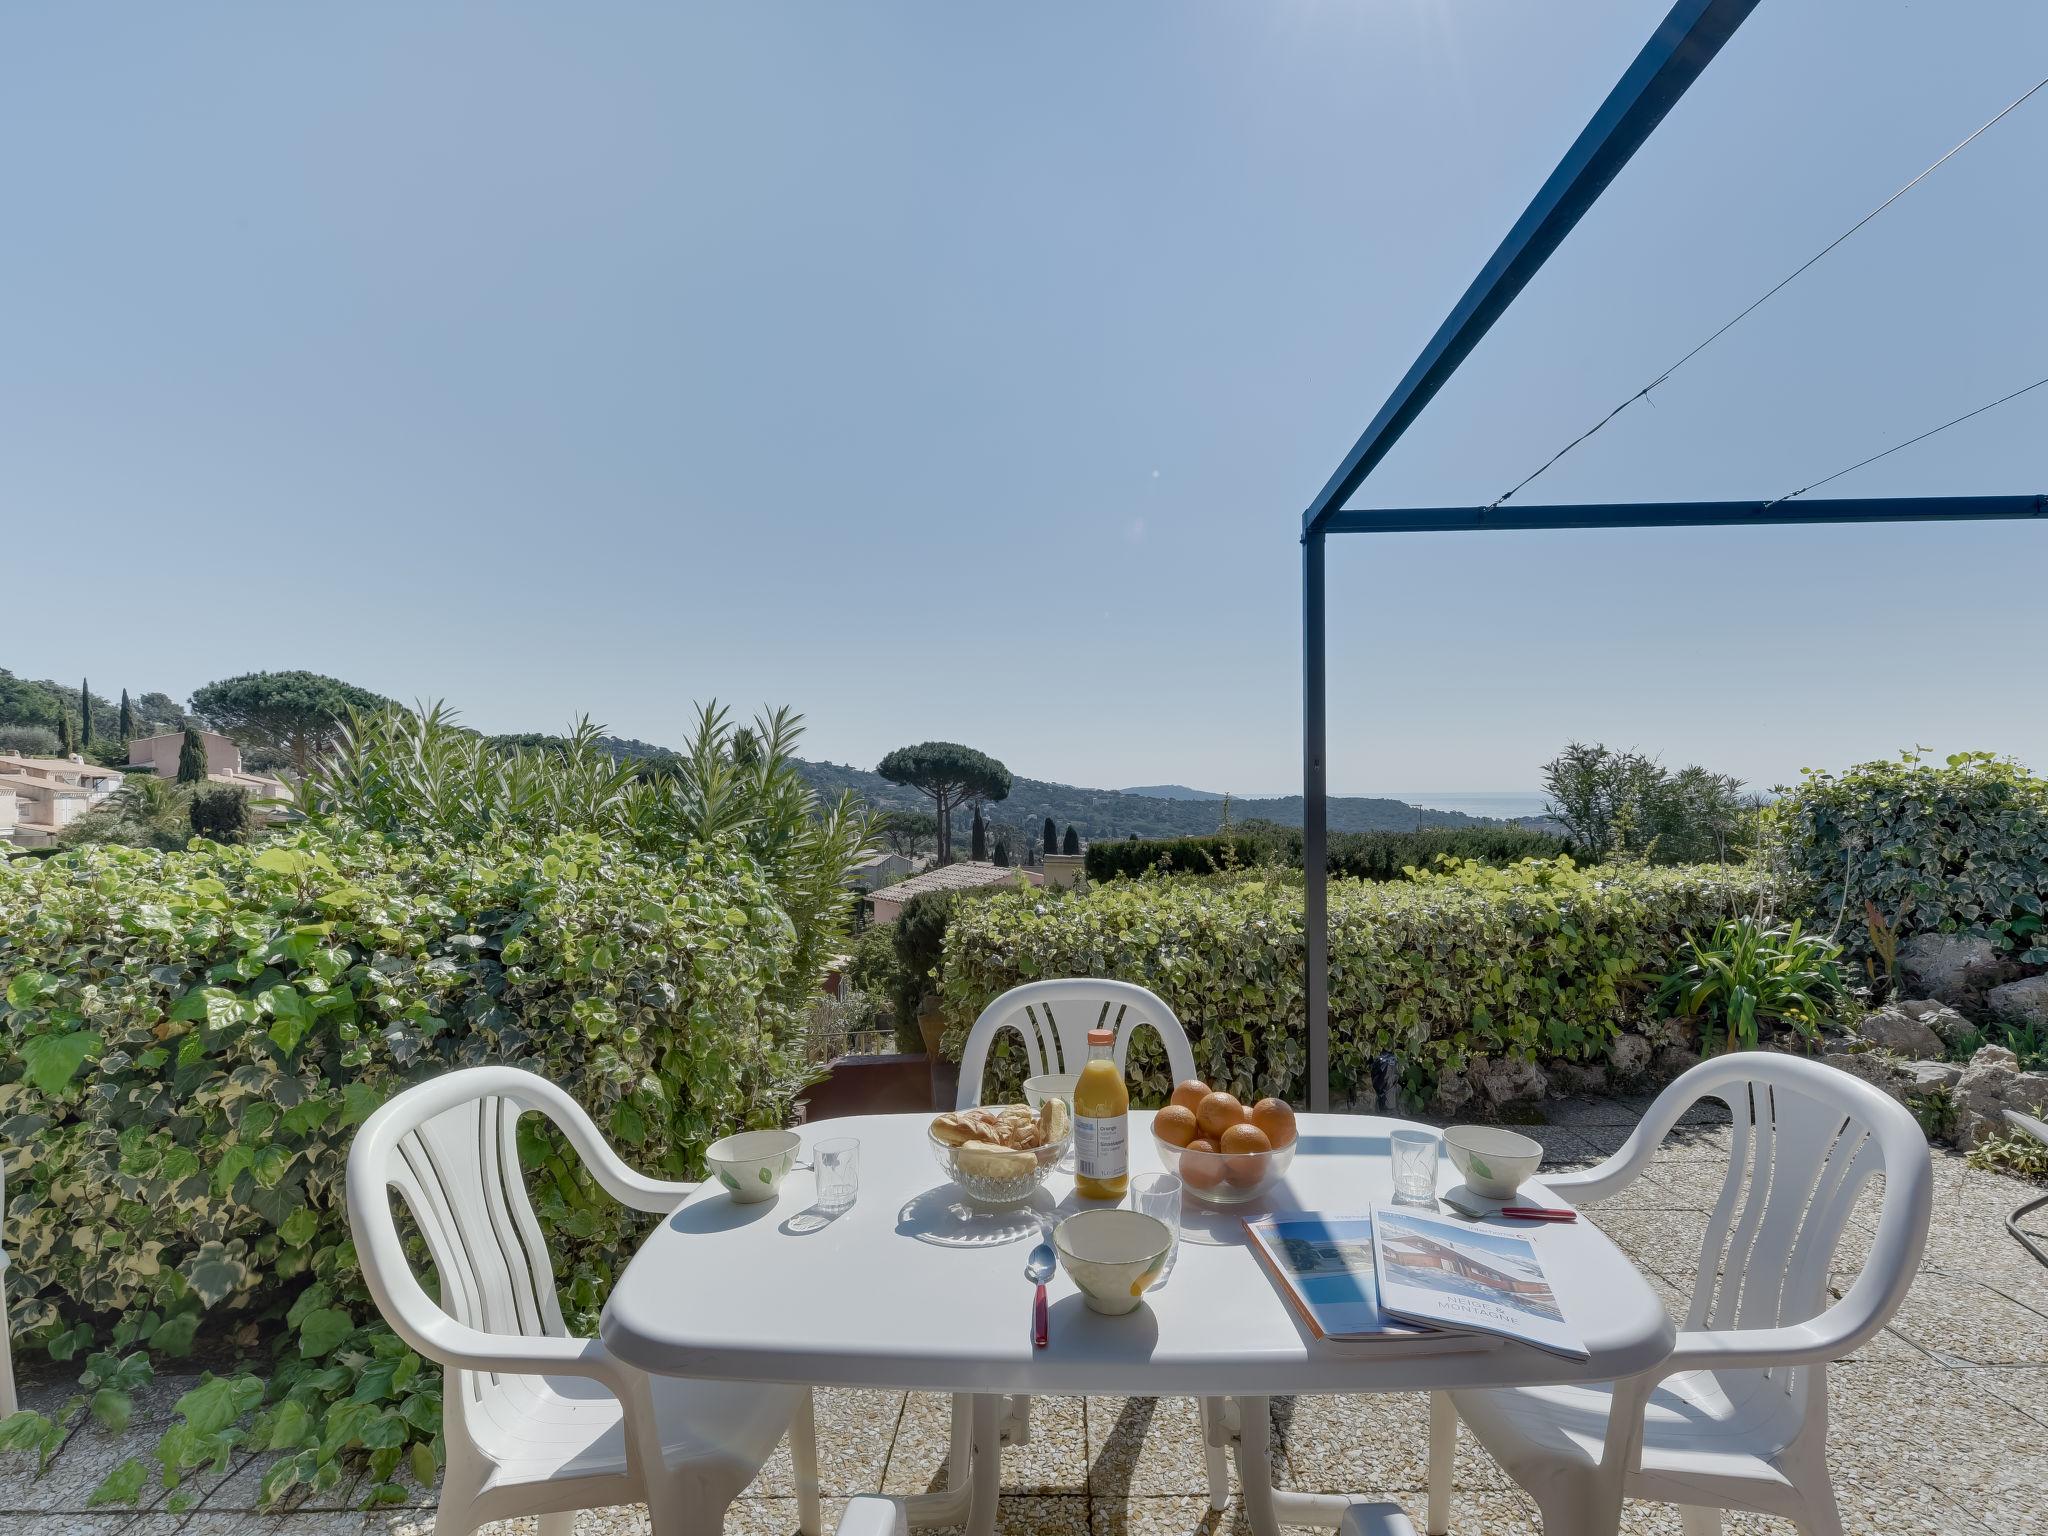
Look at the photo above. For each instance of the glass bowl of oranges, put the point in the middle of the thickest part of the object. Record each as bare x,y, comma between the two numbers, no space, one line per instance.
1224,1152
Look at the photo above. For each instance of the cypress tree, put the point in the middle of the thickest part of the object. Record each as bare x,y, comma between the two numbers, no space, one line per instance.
192,759
980,836
1073,842
67,743
85,711
1052,836
1002,853
127,717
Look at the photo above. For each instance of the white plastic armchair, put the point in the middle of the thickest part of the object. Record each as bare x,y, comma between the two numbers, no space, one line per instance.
1736,1417
1053,1019
537,1422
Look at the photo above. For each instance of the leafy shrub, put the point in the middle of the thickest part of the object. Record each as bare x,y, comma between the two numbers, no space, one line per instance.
1955,847
418,774
28,740
1619,804
2021,1156
145,812
1750,976
1354,855
220,813
1538,959
190,1039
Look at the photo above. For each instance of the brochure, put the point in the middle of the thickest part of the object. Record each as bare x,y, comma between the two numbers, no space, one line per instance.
1324,1265
1452,1274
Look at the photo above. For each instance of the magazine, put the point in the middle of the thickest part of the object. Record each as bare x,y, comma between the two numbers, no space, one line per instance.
1324,1265
1452,1274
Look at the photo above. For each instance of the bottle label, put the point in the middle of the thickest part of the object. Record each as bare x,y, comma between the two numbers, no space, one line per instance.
1102,1146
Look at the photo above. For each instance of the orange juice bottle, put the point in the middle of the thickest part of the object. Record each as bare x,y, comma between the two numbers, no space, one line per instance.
1102,1118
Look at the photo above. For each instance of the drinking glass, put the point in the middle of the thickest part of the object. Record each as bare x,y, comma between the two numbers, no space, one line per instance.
1159,1195
1415,1154
838,1167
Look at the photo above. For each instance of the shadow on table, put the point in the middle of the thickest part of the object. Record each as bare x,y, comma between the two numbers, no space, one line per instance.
721,1213
944,1217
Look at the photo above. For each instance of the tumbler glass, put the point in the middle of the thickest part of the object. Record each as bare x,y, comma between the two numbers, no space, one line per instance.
1415,1155
1159,1195
838,1167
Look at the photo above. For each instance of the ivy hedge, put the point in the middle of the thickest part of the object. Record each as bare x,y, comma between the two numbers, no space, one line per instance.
191,1037
1353,855
1541,959
1958,846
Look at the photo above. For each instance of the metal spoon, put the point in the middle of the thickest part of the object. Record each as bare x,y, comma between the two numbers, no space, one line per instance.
1038,1267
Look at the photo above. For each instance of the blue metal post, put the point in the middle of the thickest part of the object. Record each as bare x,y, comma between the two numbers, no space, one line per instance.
1315,815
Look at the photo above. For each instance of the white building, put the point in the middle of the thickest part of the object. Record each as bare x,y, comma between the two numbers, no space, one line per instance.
40,796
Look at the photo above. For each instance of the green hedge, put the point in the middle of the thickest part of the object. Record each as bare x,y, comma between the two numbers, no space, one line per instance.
1353,855
190,1039
1959,846
1539,959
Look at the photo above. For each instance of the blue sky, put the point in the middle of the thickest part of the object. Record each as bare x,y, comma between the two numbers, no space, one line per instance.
962,372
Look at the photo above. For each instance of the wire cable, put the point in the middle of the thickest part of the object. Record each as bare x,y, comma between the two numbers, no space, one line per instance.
1775,289
1909,442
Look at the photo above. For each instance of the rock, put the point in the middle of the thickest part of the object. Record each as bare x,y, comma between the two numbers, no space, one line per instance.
1453,1093
1505,1079
1680,1032
2024,1002
1942,962
1897,1030
1979,1094
1926,1076
1874,1067
1671,1060
1569,1077
2028,1093
1628,1055
1939,1017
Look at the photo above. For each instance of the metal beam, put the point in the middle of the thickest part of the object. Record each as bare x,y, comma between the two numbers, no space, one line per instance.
1687,514
1315,842
1683,45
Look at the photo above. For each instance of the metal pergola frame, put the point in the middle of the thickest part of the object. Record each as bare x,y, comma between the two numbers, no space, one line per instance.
1684,43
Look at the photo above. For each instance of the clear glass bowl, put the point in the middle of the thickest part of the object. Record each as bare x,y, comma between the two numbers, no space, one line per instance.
1225,1178
999,1193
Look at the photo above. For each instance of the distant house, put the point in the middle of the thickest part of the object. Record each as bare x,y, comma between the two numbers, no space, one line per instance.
880,869
886,905
40,796
159,755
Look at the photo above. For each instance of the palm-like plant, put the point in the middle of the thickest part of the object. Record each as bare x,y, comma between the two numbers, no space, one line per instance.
417,774
1749,975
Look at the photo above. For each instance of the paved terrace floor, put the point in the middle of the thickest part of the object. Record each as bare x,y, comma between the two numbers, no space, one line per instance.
1939,1426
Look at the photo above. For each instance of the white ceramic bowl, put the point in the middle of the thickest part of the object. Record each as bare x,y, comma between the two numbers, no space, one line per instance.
753,1164
1225,1178
1113,1255
997,1193
1495,1162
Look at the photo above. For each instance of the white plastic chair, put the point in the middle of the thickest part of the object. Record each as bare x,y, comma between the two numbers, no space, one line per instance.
536,1422
1053,1019
1736,1417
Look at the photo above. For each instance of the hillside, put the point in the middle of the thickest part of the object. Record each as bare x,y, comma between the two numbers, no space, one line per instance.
1169,792
1105,813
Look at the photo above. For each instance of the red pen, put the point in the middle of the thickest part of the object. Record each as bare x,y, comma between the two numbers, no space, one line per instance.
1538,1213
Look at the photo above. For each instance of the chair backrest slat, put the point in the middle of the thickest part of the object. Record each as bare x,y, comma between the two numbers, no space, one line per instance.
458,1173
1053,1019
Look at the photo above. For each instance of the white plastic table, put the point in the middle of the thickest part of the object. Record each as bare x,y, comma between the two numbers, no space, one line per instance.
915,1289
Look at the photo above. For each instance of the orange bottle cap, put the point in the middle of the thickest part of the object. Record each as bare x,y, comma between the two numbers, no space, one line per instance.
1102,1037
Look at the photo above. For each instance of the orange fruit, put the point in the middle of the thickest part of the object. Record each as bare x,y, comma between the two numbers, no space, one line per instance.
1217,1113
1189,1095
1200,1167
1245,1138
1246,1171
1277,1120
1174,1125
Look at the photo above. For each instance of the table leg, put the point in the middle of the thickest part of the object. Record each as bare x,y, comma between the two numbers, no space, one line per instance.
1267,1508
949,1505
974,1474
